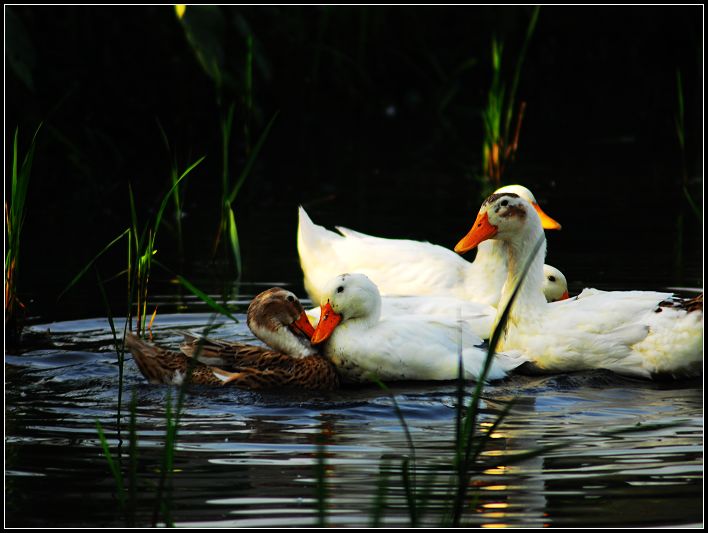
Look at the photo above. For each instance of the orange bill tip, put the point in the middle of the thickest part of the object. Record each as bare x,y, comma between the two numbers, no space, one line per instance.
565,296
481,230
303,324
546,221
329,320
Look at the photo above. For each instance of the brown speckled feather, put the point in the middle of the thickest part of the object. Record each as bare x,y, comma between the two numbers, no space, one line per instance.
257,368
689,305
277,369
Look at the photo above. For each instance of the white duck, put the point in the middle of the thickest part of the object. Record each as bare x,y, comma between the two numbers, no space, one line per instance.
479,317
362,345
637,333
404,267
555,286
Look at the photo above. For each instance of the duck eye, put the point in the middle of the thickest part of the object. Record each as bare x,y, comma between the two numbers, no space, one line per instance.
504,203
291,298
340,289
552,279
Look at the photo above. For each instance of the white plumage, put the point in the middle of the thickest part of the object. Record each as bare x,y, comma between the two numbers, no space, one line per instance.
362,345
626,332
403,267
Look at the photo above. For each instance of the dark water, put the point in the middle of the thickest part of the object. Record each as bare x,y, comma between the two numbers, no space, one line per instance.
250,459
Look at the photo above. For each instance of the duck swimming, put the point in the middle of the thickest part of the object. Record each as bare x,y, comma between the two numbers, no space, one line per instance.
404,267
637,333
277,318
362,345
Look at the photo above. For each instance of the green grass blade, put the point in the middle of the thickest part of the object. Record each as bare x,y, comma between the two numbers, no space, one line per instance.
167,196
233,240
90,263
220,309
470,421
250,161
117,475
379,504
517,72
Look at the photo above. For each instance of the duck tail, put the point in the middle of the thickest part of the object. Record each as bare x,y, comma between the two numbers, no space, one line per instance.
313,244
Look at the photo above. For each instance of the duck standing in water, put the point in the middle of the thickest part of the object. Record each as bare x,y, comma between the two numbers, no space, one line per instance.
277,318
636,333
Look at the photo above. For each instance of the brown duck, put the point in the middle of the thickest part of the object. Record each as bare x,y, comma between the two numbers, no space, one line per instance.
277,318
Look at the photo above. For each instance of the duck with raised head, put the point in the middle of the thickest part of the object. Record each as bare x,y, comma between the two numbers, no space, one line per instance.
404,267
276,317
637,333
364,346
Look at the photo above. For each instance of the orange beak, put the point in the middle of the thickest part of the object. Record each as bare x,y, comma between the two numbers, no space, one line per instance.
546,221
481,231
303,324
328,321
565,296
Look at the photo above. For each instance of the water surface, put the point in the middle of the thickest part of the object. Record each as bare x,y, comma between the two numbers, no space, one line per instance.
250,459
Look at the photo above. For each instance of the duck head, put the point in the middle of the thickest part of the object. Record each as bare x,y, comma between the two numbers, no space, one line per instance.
555,286
503,216
277,317
347,297
546,221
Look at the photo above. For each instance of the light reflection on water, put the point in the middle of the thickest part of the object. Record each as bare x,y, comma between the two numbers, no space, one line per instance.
248,459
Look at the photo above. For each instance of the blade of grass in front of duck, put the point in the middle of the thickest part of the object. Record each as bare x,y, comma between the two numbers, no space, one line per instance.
467,447
163,501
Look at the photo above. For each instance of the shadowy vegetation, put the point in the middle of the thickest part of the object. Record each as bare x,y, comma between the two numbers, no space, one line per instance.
15,213
501,115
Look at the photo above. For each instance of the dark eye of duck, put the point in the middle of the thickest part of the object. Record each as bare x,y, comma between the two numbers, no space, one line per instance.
552,279
340,289
504,203
291,298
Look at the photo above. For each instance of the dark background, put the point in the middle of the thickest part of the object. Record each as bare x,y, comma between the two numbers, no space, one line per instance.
379,128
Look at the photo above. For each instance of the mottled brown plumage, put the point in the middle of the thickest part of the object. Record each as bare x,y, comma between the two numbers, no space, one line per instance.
275,316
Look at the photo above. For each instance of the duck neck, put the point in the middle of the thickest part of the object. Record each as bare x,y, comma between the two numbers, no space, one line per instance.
529,299
280,338
489,265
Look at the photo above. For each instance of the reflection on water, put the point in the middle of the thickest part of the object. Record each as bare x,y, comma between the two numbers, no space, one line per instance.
249,459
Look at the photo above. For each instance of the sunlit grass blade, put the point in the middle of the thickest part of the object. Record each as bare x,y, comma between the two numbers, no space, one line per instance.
233,240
